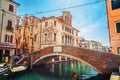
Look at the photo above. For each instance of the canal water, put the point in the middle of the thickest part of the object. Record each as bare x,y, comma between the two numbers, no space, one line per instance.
58,71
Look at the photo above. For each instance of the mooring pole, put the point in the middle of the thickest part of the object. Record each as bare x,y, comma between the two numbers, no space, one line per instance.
31,61
11,62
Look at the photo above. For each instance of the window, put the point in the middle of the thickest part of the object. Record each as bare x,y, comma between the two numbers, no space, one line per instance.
72,32
118,27
46,24
54,36
11,8
54,23
115,4
62,39
66,39
76,34
118,50
45,37
9,24
9,38
62,27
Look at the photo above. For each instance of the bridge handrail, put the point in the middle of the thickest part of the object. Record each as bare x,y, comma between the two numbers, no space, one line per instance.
23,56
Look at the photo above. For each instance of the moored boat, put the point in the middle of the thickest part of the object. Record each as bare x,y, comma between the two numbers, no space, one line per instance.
19,68
3,68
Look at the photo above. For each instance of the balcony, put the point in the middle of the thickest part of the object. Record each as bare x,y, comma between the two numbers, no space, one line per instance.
9,28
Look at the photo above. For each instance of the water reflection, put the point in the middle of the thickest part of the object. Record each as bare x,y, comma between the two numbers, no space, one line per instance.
66,69
57,71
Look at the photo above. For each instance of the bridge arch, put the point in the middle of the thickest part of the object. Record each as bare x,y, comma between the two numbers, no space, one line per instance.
66,55
95,59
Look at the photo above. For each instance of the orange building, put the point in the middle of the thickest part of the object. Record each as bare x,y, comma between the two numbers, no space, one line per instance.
113,12
26,35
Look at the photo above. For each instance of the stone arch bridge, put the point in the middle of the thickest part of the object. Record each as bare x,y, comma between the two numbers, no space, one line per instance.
102,62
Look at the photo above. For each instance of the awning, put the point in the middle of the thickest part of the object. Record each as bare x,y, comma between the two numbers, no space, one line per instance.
7,47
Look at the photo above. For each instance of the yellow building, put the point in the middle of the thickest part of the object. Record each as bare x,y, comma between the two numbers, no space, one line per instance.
8,10
41,33
113,12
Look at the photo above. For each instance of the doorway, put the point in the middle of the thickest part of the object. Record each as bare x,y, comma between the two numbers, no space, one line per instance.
7,55
1,55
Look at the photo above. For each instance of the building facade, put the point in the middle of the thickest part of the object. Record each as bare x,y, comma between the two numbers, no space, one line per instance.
113,12
40,33
8,9
59,31
93,45
27,35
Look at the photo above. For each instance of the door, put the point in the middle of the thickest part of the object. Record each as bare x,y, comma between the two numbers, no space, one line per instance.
1,55
7,55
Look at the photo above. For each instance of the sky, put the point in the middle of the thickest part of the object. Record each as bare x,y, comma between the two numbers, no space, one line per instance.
90,20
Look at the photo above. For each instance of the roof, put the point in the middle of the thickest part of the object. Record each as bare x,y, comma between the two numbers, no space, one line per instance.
60,19
14,2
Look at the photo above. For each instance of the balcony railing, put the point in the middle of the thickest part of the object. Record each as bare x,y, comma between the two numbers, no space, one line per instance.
9,28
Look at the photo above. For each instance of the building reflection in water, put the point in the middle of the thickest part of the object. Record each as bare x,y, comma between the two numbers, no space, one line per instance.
58,71
67,68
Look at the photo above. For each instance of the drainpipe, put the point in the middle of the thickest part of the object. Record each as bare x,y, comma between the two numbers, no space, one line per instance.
0,3
1,24
40,33
108,21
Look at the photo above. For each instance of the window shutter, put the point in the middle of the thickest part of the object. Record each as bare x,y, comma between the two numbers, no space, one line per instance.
11,39
6,38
